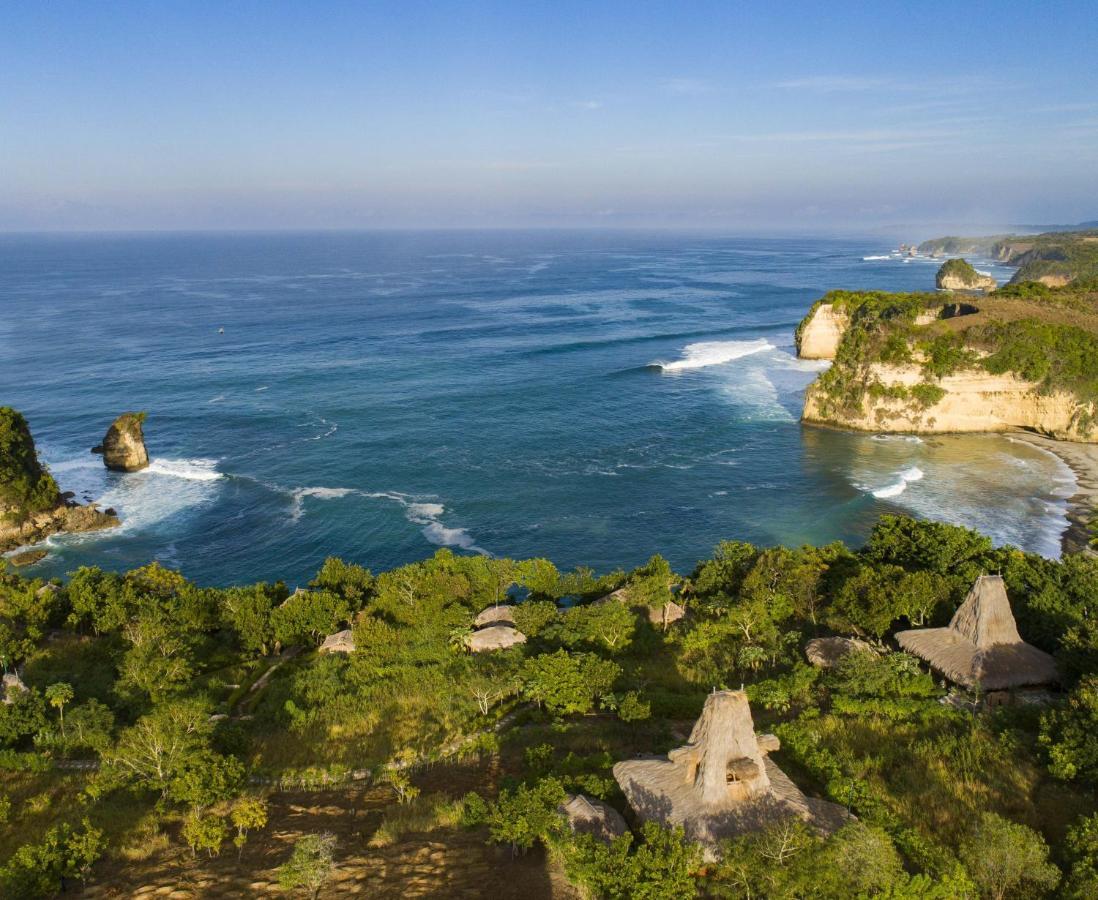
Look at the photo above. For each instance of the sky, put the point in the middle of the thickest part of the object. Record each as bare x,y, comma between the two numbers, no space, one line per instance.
738,115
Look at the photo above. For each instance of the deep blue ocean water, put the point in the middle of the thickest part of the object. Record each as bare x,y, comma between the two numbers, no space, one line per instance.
590,398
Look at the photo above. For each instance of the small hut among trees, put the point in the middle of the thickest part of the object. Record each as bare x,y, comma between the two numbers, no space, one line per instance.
722,783
981,648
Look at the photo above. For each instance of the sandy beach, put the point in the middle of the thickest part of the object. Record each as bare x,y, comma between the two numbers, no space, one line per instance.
1082,459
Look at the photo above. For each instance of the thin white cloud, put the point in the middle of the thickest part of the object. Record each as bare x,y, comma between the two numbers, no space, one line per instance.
827,84
588,104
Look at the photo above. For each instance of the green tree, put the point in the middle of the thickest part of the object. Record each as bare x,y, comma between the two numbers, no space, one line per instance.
532,616
308,616
662,867
310,865
1005,858
58,694
608,624
1070,734
249,813
527,814
353,583
204,832
162,743
204,778
247,611
568,683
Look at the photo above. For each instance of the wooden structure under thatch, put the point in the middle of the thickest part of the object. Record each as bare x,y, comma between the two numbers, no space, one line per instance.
494,637
340,642
825,652
495,615
587,816
981,648
722,783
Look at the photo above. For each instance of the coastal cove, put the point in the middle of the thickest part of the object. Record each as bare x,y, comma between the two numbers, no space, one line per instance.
580,396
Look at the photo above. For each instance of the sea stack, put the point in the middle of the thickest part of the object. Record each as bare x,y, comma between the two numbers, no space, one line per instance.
959,275
123,446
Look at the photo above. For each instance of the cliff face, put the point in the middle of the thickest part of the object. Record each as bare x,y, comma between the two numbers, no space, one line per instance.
123,446
819,337
972,401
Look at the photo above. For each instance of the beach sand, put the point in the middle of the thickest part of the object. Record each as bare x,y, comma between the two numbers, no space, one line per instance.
1082,459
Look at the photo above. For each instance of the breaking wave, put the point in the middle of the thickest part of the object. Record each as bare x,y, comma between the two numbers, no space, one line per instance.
713,353
898,486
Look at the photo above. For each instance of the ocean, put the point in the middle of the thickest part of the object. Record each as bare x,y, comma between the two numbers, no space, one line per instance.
592,398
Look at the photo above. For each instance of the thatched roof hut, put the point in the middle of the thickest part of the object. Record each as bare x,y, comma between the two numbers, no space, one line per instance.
588,816
825,652
494,615
662,616
340,642
722,783
494,637
981,648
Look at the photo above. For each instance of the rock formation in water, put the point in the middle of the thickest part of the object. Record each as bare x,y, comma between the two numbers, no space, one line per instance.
959,275
123,446
31,505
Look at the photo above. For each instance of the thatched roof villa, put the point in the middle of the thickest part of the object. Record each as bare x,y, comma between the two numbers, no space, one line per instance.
588,816
340,642
494,637
981,648
494,615
722,783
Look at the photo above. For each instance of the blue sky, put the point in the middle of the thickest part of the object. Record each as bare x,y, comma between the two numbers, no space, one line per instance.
806,116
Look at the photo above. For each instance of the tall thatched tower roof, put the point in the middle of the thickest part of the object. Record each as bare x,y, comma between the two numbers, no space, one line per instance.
981,648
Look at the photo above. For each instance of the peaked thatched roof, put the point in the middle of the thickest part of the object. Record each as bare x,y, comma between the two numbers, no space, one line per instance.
494,637
722,782
495,614
587,816
340,642
981,648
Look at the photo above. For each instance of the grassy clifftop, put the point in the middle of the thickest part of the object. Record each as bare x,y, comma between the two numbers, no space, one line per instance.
1048,336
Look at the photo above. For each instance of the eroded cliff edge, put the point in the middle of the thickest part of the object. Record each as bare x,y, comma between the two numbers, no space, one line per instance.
1024,357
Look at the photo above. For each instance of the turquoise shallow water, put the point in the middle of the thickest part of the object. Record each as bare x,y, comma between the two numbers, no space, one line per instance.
591,398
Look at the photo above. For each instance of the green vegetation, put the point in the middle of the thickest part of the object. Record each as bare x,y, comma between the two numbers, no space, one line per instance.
26,487
1045,335
1061,255
186,706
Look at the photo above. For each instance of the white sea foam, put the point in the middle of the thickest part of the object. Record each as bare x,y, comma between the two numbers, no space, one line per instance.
897,487
297,508
868,258
713,353
192,469
905,438
164,488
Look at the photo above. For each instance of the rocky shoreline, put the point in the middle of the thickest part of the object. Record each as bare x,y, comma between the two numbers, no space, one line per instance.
68,518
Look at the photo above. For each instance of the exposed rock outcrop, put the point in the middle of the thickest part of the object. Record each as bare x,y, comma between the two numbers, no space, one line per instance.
959,275
123,446
972,401
819,337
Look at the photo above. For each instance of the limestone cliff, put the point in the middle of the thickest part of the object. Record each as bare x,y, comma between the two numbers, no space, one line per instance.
123,446
819,335
970,401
